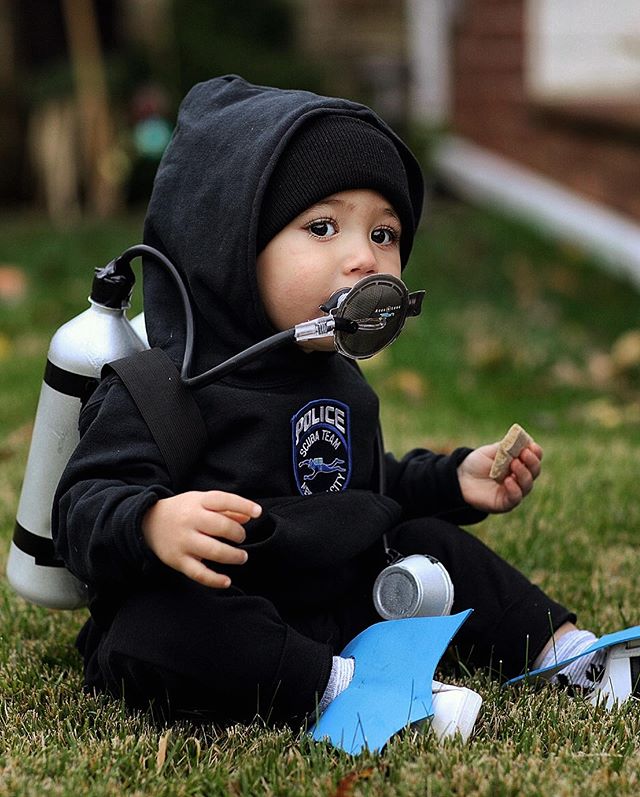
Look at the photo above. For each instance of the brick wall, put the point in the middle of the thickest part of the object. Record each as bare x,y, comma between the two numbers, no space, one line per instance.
597,154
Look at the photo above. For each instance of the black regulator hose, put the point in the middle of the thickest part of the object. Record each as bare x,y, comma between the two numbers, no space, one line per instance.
139,250
218,371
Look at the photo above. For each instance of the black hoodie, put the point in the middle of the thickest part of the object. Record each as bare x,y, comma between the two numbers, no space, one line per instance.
293,431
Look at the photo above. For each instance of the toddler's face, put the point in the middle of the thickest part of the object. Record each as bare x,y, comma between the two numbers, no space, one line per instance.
331,245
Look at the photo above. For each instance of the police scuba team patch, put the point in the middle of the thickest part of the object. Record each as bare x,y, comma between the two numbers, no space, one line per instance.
321,447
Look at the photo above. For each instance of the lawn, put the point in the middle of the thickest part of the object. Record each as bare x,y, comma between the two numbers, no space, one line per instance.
514,328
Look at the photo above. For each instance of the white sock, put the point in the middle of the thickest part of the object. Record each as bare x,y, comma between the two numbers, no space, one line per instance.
581,672
341,674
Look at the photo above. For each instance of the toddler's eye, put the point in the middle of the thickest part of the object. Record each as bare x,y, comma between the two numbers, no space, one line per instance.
385,236
323,228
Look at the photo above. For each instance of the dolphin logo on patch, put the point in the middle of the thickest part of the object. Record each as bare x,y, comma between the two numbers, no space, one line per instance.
317,465
321,444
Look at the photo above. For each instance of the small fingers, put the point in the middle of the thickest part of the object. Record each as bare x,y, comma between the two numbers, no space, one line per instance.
217,524
532,460
522,475
220,501
536,449
197,571
532,453
239,517
204,547
514,492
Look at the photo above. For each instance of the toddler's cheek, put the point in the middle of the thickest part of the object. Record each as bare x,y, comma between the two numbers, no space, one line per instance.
319,344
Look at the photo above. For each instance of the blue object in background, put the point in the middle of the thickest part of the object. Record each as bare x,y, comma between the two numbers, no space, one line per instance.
151,136
391,686
606,641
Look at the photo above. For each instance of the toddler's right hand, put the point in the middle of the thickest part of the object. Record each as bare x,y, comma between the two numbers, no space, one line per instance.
183,531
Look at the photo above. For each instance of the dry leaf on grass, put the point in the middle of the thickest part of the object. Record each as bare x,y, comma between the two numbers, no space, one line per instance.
601,369
566,372
603,412
410,383
625,352
13,284
485,352
347,783
161,755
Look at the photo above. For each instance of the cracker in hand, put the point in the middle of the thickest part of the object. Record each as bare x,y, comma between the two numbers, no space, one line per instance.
509,448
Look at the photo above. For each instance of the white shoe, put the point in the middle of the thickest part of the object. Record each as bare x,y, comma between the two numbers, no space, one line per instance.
455,709
620,678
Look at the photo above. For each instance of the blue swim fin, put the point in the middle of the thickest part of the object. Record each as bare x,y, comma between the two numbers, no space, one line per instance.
391,687
606,641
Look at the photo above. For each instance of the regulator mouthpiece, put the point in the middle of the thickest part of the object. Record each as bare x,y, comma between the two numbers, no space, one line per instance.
362,320
366,318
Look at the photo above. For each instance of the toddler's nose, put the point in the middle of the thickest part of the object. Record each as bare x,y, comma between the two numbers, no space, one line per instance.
361,260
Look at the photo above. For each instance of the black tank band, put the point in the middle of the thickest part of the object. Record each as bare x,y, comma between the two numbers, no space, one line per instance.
69,383
41,548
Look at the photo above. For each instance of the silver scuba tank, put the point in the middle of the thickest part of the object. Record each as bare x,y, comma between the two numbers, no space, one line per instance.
138,324
77,353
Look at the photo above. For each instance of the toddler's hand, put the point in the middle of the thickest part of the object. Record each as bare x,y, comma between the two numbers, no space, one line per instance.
185,529
483,493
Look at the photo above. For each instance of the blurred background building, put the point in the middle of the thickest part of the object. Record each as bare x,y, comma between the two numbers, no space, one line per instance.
529,104
543,101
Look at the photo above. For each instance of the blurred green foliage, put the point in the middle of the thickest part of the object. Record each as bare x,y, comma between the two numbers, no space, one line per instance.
253,38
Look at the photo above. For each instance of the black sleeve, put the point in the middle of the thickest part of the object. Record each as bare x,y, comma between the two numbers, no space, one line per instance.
426,485
115,474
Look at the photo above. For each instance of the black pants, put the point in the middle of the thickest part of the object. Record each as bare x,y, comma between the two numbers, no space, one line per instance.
185,648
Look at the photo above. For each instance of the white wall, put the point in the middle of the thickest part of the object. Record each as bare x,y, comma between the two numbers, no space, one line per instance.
429,48
583,49
489,179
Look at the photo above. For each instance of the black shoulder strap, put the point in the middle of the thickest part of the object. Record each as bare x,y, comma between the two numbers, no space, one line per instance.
168,408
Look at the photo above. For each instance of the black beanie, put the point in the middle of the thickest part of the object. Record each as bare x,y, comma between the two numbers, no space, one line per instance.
329,154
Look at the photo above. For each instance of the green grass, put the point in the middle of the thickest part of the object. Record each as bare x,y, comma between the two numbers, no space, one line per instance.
513,329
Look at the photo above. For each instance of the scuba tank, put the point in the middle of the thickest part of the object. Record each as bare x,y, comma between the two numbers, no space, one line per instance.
137,322
77,353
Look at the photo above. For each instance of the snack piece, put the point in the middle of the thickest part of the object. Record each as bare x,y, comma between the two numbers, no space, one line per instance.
510,447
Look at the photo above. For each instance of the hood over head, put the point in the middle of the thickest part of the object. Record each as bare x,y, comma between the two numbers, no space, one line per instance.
205,212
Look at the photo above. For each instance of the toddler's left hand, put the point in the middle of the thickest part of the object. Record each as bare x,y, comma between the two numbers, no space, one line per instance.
487,495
